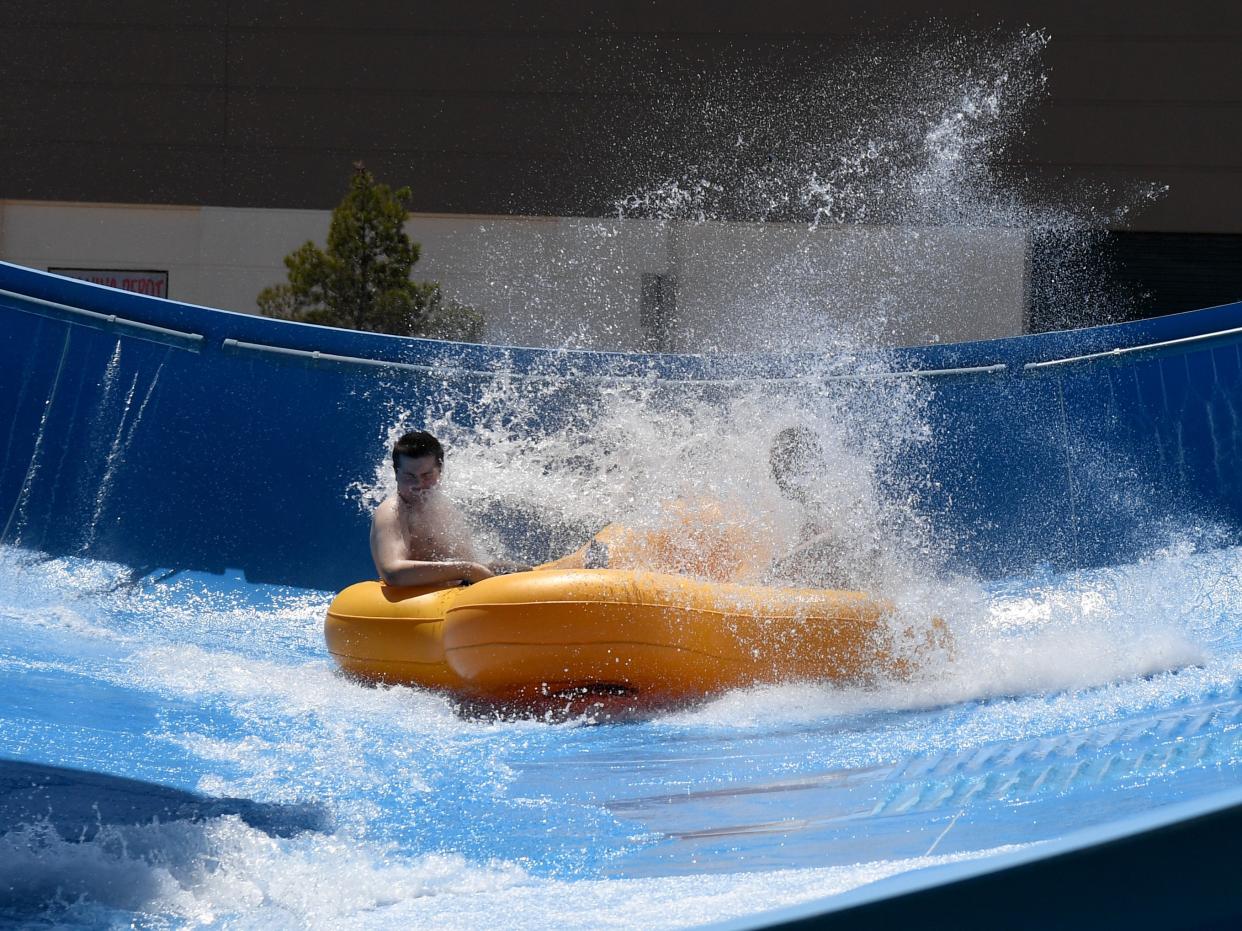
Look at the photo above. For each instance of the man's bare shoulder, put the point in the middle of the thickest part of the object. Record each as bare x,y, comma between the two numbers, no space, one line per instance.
386,512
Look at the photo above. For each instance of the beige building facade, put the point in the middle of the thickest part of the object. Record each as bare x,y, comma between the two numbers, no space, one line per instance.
583,282
209,140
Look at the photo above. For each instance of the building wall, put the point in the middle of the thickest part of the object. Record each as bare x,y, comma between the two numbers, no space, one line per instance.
547,109
579,282
560,109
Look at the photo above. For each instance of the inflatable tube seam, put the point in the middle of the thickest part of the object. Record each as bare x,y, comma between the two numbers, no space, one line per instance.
861,613
591,645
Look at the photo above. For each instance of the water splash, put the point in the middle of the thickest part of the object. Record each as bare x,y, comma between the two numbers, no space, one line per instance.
543,463
18,516
844,197
221,872
918,135
120,442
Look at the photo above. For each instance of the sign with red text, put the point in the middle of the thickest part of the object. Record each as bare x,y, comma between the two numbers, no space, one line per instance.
127,279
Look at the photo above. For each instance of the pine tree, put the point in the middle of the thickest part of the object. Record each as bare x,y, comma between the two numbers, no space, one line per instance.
362,280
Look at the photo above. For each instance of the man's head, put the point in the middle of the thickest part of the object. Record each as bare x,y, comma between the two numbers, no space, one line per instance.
796,459
417,459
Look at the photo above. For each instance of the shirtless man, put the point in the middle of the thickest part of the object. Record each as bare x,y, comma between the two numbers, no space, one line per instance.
822,557
418,537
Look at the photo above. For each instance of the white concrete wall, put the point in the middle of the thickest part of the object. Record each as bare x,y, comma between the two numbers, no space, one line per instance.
572,281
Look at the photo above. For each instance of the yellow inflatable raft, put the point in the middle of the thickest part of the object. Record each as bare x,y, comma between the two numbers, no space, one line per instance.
642,638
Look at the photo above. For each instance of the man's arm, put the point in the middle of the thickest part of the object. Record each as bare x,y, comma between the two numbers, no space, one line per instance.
459,543
507,566
818,561
396,569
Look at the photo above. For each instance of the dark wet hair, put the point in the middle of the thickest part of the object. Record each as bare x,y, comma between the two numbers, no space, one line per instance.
795,450
414,444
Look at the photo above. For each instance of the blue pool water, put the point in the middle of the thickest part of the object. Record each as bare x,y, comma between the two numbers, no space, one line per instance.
306,799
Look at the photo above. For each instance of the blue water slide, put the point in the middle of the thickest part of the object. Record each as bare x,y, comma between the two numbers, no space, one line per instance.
239,435
178,439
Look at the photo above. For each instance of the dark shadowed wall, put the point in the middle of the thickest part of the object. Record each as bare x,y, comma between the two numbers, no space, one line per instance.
555,108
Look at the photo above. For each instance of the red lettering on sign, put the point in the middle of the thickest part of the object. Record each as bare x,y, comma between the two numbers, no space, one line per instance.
144,286
152,283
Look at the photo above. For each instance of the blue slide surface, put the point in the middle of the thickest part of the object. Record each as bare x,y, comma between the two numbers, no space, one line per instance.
183,488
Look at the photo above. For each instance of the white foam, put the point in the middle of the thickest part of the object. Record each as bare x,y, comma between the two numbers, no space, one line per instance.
1066,639
60,618
223,873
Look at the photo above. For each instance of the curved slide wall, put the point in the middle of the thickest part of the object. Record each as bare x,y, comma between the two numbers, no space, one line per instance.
166,436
